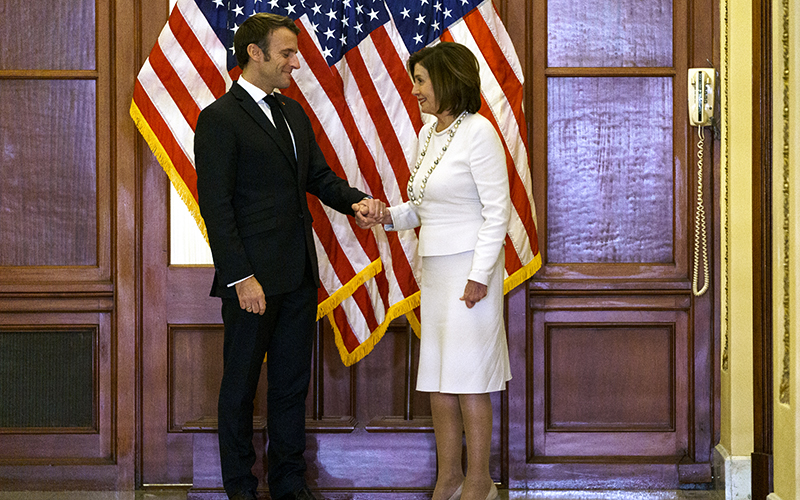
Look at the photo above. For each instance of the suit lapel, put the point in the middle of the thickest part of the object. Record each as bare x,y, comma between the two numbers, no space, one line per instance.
255,112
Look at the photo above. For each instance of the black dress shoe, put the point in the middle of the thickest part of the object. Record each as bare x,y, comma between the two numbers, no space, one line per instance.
244,495
302,494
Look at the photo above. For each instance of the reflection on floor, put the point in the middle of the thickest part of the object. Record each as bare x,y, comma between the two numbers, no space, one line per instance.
504,495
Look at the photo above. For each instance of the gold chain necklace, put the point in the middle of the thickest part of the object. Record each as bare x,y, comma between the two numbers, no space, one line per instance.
413,199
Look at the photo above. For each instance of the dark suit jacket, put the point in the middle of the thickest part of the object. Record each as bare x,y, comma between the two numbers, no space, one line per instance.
252,192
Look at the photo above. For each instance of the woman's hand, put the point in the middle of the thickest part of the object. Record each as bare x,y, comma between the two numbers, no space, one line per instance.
473,293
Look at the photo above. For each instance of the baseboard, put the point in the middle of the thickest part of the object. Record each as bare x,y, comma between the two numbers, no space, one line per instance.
732,474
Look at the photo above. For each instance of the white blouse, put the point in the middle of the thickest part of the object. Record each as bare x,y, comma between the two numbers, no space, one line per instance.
466,202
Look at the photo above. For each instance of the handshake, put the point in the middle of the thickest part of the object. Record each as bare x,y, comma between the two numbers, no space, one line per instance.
370,212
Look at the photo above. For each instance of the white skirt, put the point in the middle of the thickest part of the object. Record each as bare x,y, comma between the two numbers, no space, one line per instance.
462,351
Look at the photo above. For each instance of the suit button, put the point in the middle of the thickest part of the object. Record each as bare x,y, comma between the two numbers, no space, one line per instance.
300,215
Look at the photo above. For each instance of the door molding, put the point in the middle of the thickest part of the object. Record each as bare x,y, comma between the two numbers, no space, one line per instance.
762,250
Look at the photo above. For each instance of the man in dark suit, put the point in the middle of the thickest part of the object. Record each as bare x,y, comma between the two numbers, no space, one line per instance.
253,173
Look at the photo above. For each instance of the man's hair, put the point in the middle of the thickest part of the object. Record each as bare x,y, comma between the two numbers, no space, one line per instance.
454,74
257,29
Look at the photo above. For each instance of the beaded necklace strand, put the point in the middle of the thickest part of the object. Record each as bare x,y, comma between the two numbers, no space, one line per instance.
411,197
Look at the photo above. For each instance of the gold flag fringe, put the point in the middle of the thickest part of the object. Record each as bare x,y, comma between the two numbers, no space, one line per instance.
328,305
166,163
407,307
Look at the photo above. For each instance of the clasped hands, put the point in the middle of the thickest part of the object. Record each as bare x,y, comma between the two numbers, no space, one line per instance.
370,212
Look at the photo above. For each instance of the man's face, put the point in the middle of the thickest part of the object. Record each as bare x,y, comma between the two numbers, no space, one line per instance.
275,70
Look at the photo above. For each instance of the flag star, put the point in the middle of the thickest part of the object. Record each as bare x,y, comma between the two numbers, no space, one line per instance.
372,15
359,8
238,10
357,28
345,22
290,9
329,33
314,27
418,38
420,19
447,13
435,26
437,6
346,4
233,49
343,39
316,8
218,3
464,2
423,2
273,4
331,14
234,28
405,13
326,53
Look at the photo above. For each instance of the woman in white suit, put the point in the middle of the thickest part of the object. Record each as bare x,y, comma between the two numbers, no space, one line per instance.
459,197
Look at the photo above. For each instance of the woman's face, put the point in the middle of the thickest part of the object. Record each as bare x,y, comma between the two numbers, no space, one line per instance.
423,91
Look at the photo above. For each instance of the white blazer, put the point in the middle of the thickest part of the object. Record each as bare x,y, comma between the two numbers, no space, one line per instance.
466,202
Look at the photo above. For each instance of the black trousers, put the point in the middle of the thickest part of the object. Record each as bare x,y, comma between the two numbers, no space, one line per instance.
286,334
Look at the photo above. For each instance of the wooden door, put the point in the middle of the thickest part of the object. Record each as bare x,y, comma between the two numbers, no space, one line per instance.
618,354
612,355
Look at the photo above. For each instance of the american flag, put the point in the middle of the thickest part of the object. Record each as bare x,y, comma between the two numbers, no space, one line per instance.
355,88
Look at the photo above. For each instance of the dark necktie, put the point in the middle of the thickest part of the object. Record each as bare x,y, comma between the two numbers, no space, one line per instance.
279,121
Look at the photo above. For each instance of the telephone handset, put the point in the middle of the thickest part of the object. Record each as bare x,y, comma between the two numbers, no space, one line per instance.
701,96
701,112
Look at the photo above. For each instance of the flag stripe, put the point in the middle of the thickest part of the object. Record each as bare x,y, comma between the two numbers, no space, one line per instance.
183,165
383,125
365,160
194,51
396,68
163,105
165,72
317,66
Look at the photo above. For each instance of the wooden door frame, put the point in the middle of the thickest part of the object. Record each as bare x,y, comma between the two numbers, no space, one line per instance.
761,481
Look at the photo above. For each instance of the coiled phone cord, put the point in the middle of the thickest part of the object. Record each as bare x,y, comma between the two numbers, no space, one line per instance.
700,233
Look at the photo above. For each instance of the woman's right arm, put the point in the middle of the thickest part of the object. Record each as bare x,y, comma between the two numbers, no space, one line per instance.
401,217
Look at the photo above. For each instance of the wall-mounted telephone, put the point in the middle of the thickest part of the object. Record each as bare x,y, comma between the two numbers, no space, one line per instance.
701,96
701,113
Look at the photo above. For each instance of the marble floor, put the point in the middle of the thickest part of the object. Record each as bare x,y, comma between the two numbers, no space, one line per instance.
504,495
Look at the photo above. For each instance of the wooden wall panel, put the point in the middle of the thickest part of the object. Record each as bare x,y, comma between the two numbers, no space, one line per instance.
49,181
610,185
74,446
67,251
614,377
195,373
610,379
70,38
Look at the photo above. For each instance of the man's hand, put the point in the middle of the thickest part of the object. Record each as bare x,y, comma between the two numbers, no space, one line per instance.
369,212
473,293
251,296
